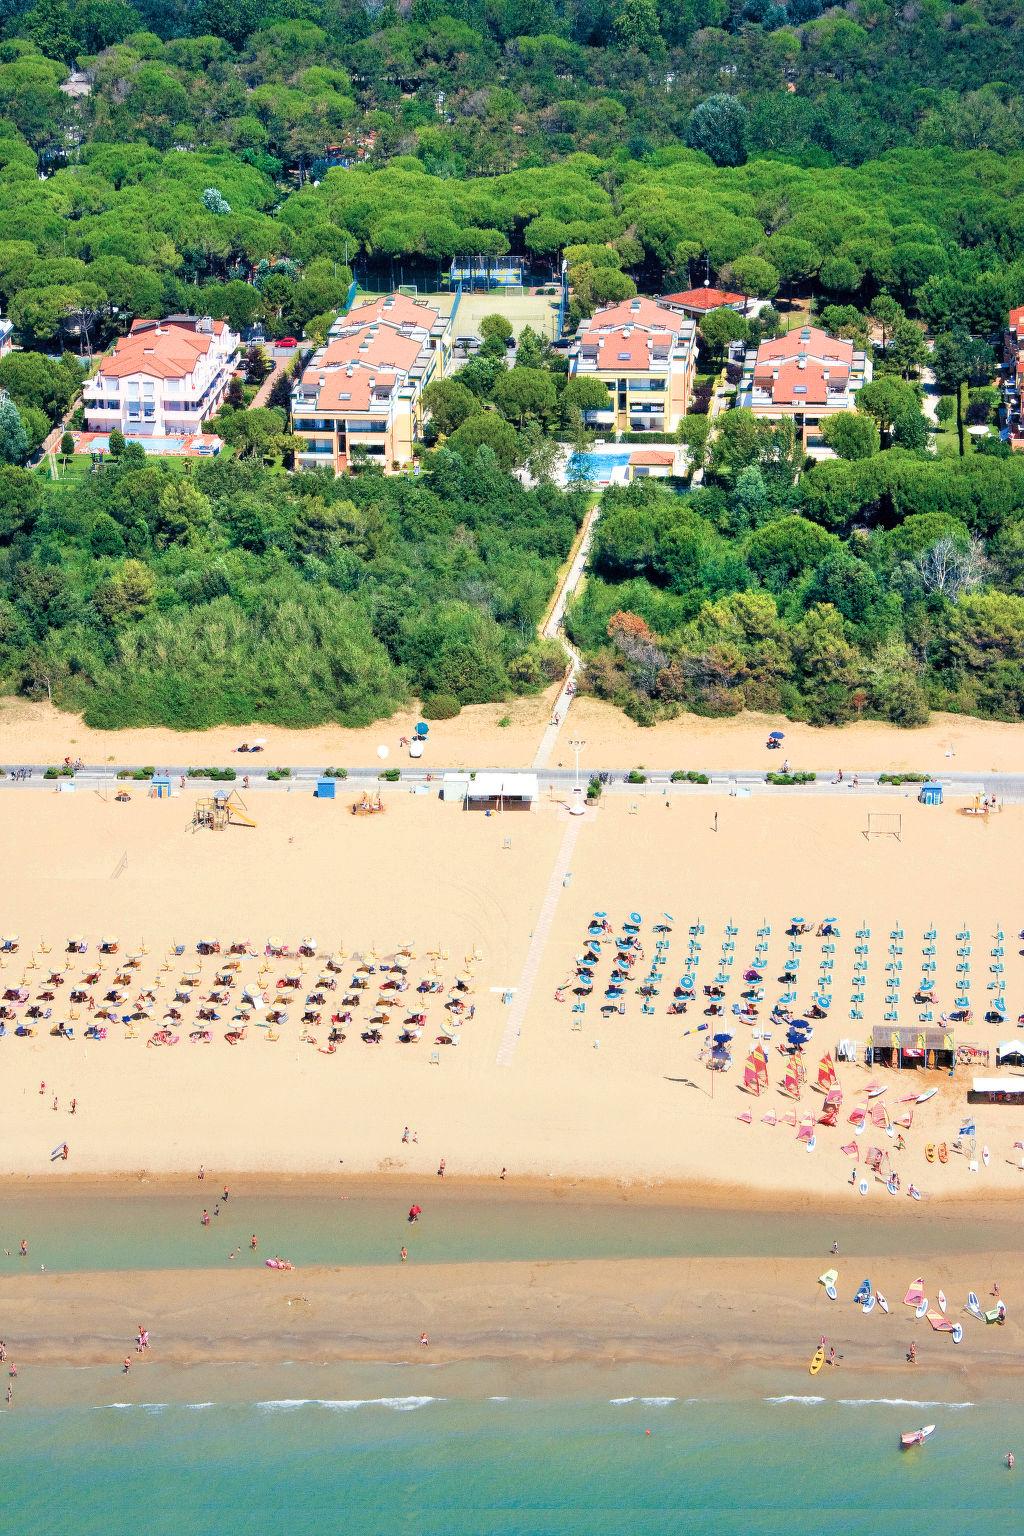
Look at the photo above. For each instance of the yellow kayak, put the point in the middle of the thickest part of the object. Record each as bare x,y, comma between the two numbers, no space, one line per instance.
818,1361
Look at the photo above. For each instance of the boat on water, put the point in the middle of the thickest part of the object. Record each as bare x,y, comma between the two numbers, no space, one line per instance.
911,1437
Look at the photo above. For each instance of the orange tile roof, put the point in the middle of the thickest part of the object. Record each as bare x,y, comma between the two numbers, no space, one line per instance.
343,392
704,299
641,312
380,346
653,456
168,353
396,309
792,385
1017,318
809,341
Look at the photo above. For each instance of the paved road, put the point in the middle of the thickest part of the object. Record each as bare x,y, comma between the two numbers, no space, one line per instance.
1008,787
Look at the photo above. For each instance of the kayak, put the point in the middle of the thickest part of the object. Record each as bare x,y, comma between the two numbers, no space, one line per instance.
912,1437
958,1333
818,1361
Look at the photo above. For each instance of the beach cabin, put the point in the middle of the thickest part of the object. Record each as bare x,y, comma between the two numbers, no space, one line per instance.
325,789
996,1090
911,1045
501,792
1010,1054
160,788
930,793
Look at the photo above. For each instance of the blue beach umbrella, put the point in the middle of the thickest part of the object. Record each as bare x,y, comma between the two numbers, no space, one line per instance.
776,735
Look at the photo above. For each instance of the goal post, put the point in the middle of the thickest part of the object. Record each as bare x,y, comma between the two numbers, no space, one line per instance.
884,824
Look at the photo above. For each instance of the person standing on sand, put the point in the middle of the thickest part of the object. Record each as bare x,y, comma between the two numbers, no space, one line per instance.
440,1169
202,1173
56,1103
224,1196
405,1134
502,1174
127,1364
835,1248
424,1338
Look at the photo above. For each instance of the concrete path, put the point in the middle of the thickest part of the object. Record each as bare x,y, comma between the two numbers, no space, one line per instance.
538,942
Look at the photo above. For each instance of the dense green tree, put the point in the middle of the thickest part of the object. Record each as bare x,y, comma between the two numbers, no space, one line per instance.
718,127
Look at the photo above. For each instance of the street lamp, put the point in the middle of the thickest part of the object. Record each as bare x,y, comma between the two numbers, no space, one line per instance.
577,807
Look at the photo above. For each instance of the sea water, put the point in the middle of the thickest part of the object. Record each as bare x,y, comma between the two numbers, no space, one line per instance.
438,1467
163,1231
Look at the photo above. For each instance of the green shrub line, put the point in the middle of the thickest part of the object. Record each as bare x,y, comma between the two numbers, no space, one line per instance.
335,773
390,775
219,775
63,772
790,778
689,776
634,776
903,778
278,773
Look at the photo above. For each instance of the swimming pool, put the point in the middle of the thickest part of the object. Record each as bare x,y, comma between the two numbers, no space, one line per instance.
99,442
599,464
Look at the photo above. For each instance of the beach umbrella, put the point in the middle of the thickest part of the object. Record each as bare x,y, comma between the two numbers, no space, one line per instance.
776,735
722,1039
422,728
635,917
383,751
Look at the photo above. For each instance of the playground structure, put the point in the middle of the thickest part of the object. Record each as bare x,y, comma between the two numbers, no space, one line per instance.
368,805
983,806
227,809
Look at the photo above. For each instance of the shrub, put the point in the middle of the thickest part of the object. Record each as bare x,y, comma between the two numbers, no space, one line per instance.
335,773
219,775
634,776
689,776
279,773
790,778
440,706
390,775
903,778
504,722
594,788
63,772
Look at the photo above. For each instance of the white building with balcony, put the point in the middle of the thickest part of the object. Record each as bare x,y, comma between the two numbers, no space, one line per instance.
806,375
646,357
164,379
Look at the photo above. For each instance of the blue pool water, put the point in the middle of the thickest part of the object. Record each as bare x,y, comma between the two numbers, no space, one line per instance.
598,464
153,445
510,1467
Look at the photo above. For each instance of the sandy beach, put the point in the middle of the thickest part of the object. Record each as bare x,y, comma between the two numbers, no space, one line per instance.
745,1319
37,733
505,901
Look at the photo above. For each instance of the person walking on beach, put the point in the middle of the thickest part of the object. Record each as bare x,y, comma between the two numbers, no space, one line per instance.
56,1103
405,1134
424,1338
205,1218
835,1248
23,1248
74,1105
201,1174
253,1244
404,1254
912,1354
127,1364
440,1169
224,1196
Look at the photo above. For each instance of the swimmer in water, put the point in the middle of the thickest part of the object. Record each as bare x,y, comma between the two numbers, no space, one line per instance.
253,1243
404,1254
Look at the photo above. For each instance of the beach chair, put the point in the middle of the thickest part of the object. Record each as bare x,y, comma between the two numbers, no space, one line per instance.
926,1017
730,930
857,997
892,999
696,929
932,932
929,949
647,1008
894,967
827,966
856,1013
863,933
860,965
891,1016
961,1002
861,949
930,967
897,933
577,1025
787,998
765,932
964,968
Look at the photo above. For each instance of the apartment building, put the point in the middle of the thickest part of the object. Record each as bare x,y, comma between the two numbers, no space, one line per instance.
646,355
805,376
164,379
363,388
699,302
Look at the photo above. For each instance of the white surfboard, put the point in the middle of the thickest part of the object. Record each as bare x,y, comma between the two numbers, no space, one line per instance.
881,1301
922,1307
863,1186
942,1301
929,1093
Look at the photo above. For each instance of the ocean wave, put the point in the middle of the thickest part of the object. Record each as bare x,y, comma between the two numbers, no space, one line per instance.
199,1405
345,1404
792,1398
648,1402
897,1402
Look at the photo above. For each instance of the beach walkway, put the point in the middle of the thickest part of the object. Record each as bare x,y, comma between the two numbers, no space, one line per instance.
552,630
538,941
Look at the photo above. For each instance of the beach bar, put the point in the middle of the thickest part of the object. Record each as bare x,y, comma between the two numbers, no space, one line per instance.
911,1046
996,1090
501,792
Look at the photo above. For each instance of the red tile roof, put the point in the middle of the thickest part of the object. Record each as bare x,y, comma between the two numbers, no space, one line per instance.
791,384
397,309
704,299
1017,318
380,346
342,392
653,456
